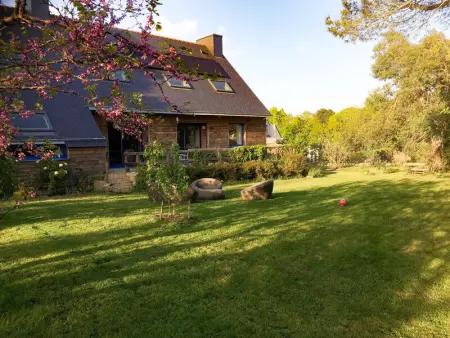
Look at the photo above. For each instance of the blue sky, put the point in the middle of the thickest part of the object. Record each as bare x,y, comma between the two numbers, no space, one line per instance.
281,48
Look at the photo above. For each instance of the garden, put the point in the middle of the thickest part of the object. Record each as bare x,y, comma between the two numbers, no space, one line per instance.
296,265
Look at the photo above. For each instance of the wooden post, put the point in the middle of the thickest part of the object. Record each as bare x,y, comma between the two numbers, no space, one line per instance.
107,165
218,155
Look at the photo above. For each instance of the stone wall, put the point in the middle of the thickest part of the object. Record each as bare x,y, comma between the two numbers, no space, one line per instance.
164,129
91,160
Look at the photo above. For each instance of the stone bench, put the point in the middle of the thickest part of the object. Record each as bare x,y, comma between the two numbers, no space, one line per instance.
208,189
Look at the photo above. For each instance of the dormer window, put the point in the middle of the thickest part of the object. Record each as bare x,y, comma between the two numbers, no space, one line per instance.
118,75
221,86
204,52
177,83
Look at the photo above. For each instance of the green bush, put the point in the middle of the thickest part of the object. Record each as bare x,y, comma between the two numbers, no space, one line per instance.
231,172
141,179
54,178
316,172
249,153
84,182
293,165
203,158
8,179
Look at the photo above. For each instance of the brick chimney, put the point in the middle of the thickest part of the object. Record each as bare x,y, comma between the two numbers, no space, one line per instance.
214,44
38,8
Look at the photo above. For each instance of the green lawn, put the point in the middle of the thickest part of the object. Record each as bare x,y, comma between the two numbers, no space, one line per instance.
295,266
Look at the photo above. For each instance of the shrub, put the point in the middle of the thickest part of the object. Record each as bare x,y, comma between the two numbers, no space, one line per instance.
231,172
248,153
357,157
54,178
293,165
141,179
201,158
316,172
8,180
84,182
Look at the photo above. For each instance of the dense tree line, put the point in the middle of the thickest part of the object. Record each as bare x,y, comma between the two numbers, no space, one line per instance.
409,114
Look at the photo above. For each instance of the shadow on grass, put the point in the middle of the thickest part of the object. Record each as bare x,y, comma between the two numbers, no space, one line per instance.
298,265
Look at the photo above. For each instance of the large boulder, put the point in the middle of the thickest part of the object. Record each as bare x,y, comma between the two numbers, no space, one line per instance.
208,189
260,191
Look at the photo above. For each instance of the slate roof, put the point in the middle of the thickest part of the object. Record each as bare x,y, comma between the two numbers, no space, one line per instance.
74,123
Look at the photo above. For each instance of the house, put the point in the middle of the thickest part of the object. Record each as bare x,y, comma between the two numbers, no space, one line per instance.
273,137
220,113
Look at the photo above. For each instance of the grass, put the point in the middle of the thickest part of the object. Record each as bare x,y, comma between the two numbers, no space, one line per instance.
295,266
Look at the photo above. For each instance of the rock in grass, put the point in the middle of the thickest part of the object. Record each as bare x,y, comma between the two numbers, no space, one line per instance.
260,191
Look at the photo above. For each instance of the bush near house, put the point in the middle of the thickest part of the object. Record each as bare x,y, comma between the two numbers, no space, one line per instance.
290,166
8,180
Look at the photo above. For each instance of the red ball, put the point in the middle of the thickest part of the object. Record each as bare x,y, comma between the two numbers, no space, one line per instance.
343,203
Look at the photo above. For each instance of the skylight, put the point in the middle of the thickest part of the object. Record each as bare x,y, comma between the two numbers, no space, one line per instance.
221,86
119,75
36,122
176,83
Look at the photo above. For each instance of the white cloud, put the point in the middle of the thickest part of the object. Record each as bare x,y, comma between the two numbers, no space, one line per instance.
185,29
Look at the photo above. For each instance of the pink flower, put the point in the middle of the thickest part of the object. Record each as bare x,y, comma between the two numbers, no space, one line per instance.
19,203
20,156
33,194
25,114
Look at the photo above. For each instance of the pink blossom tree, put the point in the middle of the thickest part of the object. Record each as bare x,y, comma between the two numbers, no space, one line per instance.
81,43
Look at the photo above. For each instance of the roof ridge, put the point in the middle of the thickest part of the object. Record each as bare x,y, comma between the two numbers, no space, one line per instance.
160,36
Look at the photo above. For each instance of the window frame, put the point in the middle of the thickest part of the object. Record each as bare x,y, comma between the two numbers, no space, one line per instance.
184,127
188,85
242,125
63,149
127,79
43,114
230,91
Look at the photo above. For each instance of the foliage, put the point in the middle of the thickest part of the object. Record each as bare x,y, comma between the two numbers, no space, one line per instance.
368,19
201,158
164,174
336,153
8,179
316,172
248,153
323,115
291,166
409,114
54,178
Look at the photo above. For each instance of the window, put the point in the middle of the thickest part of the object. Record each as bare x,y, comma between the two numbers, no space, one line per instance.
221,86
176,83
204,52
119,75
236,134
36,122
189,136
61,154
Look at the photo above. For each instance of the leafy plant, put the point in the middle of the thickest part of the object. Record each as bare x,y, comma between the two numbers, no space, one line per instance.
54,177
316,172
293,165
248,153
166,177
8,179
